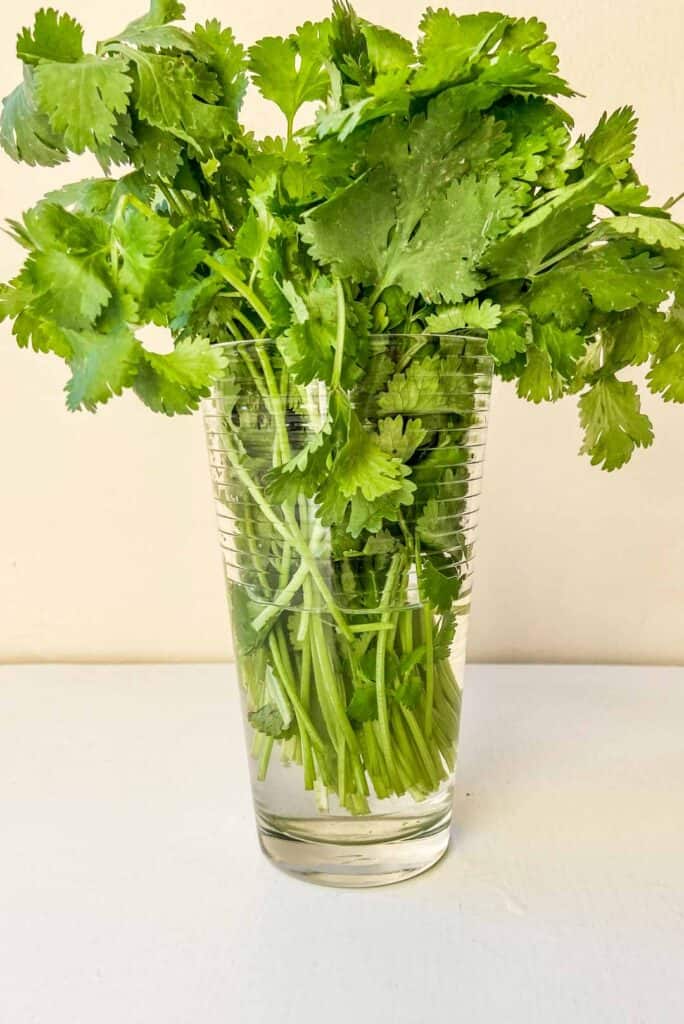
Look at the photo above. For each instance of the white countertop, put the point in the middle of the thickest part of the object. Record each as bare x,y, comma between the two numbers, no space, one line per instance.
132,890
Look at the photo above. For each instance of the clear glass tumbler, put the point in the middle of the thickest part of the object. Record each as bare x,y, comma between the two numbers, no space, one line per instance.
350,641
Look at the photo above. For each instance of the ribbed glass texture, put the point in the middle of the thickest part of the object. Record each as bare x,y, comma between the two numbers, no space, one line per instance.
350,643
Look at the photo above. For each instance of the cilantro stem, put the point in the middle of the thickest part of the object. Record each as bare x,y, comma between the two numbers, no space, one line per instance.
341,331
381,650
294,538
428,626
288,685
277,604
244,290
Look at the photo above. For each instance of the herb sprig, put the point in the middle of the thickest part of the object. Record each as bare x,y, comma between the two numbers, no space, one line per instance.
440,187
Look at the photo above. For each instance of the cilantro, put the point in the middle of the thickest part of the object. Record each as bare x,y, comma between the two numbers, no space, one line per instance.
291,72
363,707
268,720
610,413
440,584
56,37
82,99
422,205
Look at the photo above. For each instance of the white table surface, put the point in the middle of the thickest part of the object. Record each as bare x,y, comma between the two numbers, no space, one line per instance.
132,890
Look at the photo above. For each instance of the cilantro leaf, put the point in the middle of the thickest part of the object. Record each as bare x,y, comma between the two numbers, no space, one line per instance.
102,365
401,438
56,37
483,315
610,413
387,50
82,99
652,230
440,584
666,376
179,98
539,381
177,381
437,260
227,59
511,337
634,336
409,691
363,706
161,12
268,720
291,72
25,133
450,43
611,144
365,480
363,466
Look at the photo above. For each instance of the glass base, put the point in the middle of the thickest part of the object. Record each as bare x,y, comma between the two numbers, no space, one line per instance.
356,853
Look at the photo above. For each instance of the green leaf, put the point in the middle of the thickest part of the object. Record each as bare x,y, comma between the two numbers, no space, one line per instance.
651,230
387,50
227,59
610,414
161,12
445,636
291,72
179,97
437,261
482,314
524,250
450,43
350,232
428,385
409,691
82,99
102,365
401,438
363,466
666,377
70,286
55,36
634,336
440,584
363,707
304,472
67,268
157,154
309,346
440,261
269,721
176,382
539,381
25,133
611,275
612,141
365,481
564,347
511,337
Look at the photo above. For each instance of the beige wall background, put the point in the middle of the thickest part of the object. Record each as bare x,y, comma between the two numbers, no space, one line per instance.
107,542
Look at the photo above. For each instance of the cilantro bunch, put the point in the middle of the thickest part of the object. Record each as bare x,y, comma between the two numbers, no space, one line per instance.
441,186
425,209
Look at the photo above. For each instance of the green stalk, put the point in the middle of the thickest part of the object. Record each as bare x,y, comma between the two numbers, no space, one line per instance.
380,682
341,331
428,627
297,541
305,693
303,719
241,287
